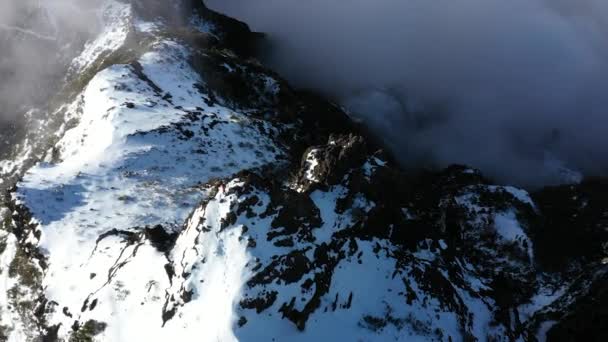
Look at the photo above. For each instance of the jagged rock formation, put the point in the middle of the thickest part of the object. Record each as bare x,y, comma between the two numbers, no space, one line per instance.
181,190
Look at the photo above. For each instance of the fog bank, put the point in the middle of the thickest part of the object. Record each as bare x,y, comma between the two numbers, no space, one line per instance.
516,88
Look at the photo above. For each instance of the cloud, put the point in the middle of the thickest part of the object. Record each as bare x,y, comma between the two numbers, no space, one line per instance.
512,87
35,38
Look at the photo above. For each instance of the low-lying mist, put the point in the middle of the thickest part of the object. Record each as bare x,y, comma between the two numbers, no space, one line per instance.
516,88
36,39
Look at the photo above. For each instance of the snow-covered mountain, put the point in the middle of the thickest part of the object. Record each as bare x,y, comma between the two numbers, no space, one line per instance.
175,188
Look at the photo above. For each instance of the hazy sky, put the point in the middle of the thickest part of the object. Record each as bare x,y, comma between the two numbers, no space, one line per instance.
35,35
501,85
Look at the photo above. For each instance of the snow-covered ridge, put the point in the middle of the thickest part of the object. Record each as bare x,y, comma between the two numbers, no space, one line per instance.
116,19
146,142
133,161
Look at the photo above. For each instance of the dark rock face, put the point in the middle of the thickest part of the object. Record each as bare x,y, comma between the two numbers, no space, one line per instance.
341,154
586,319
235,34
574,224
160,238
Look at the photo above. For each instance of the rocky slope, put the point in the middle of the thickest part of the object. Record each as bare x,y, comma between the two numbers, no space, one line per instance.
175,188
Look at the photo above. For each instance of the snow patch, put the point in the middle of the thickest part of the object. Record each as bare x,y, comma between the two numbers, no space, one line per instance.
509,228
116,18
311,164
9,318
